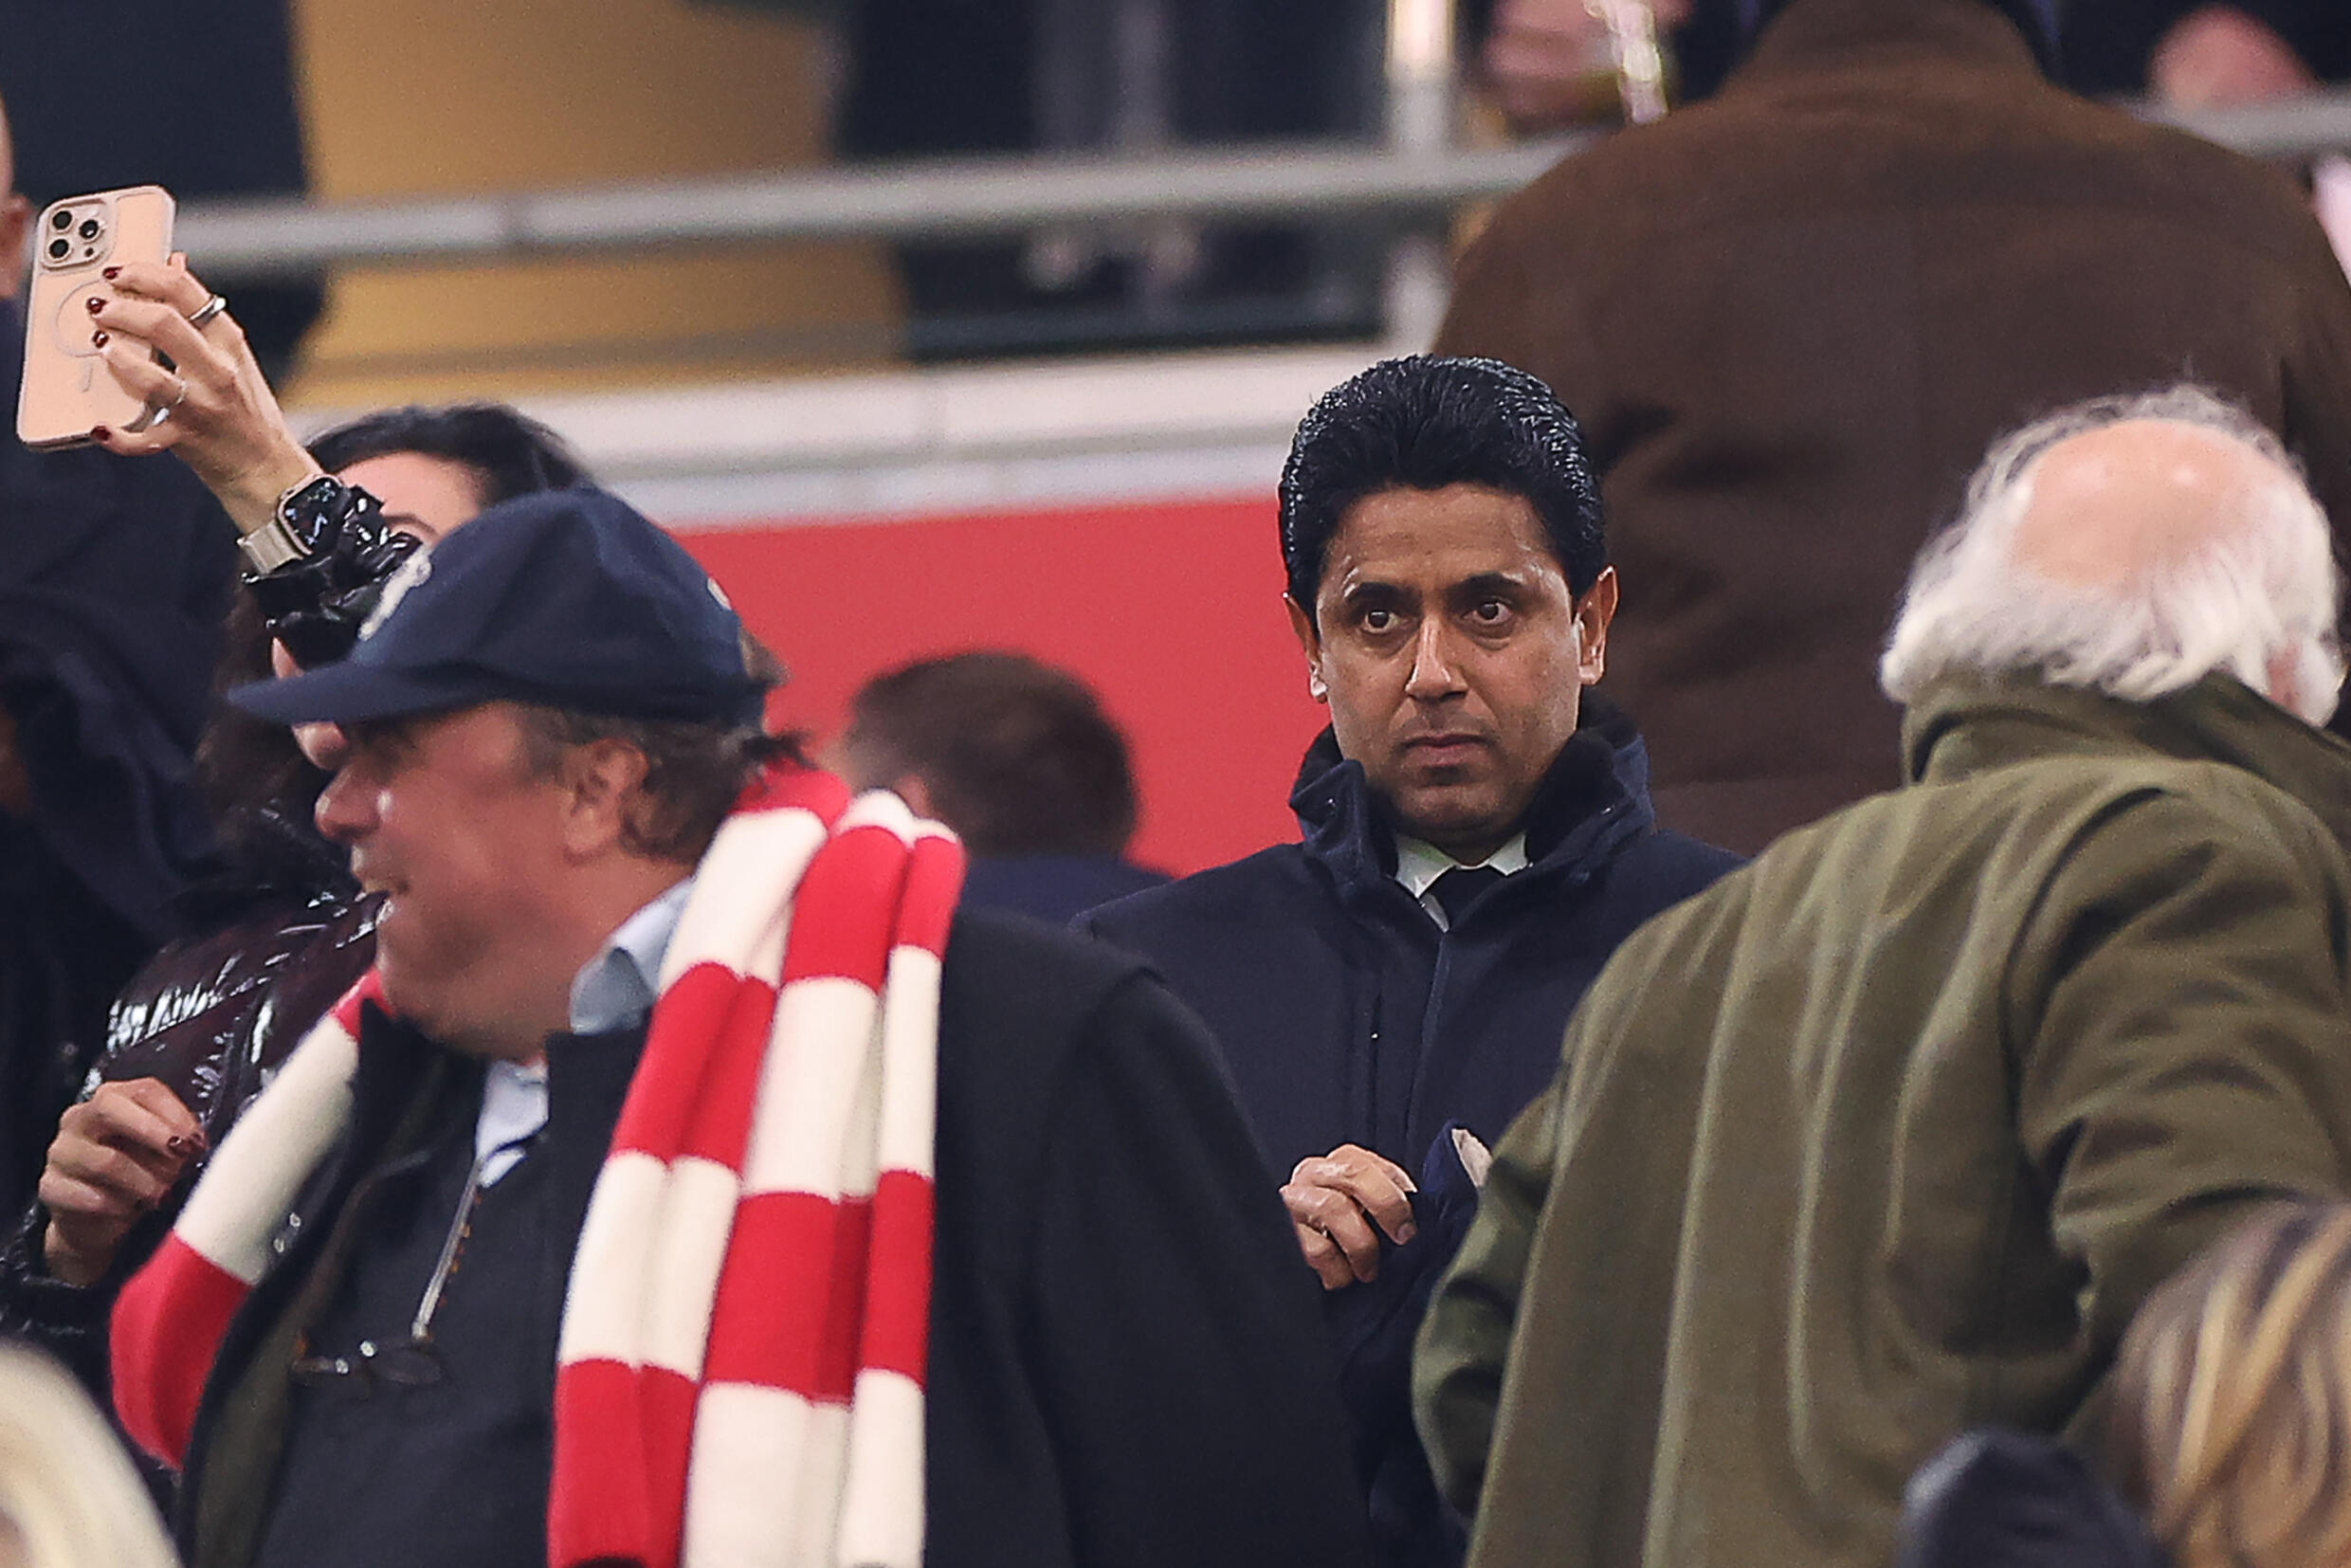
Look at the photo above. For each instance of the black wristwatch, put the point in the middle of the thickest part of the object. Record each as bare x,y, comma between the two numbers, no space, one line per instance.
308,519
333,554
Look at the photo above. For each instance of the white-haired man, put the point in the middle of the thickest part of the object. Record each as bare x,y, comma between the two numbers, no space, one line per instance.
1888,1135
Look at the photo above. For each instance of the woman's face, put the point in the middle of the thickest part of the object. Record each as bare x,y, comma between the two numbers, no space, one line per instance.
428,497
424,496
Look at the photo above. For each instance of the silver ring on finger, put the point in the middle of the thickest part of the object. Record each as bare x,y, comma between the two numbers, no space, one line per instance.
177,398
202,317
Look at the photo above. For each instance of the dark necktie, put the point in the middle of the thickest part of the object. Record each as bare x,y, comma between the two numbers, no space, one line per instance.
1458,888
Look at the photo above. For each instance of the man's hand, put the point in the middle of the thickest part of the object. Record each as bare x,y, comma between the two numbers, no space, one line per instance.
1335,1202
115,1158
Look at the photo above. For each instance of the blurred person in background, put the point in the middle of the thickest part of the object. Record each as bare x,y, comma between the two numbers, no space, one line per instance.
1477,838
1889,1133
2196,54
2000,1498
1790,318
2189,56
2230,1420
113,579
272,941
2226,1422
68,1496
199,99
2250,51
1549,64
1020,760
930,78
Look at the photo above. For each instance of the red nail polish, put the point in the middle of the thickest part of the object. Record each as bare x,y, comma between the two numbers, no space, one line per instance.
177,1144
111,273
100,432
99,338
97,302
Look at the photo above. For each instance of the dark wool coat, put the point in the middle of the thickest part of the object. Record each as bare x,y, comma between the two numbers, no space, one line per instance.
1348,1017
114,578
1889,1134
1125,1370
1054,888
1792,318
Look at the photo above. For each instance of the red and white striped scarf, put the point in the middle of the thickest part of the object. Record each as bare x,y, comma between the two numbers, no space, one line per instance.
739,1373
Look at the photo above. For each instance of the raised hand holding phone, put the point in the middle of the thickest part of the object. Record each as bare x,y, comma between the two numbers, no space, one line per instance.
78,243
219,414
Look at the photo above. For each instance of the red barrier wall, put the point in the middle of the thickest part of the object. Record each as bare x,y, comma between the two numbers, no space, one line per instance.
1172,612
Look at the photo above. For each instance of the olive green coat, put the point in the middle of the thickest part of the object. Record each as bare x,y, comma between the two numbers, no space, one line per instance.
1889,1133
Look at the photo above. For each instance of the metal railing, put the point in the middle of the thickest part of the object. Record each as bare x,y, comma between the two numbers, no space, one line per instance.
1408,181
922,200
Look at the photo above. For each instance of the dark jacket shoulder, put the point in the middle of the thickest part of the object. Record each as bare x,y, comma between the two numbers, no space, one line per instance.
1127,1370
1024,984
1051,887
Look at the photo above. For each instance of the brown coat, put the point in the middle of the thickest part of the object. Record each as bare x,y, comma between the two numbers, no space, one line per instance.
1791,320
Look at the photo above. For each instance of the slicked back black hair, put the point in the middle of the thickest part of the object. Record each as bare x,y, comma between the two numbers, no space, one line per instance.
514,454
1423,423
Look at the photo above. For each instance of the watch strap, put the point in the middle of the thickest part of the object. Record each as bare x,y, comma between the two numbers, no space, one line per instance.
271,546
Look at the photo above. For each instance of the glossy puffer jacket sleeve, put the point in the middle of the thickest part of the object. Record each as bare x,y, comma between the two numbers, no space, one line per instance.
209,1017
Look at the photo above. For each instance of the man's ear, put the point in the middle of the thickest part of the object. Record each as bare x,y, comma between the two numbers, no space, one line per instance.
1594,613
603,795
1310,639
15,219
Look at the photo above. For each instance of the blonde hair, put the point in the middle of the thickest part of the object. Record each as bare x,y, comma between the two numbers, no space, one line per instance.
2230,1424
69,1497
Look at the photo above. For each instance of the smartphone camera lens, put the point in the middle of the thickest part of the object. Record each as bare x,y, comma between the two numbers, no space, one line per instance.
59,249
90,229
61,220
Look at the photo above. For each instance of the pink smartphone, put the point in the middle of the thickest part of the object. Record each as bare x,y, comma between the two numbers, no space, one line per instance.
67,388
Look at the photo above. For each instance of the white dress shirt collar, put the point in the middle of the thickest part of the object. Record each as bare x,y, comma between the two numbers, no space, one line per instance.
1420,865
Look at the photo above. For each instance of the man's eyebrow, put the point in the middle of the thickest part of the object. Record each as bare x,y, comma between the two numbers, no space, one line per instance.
1490,583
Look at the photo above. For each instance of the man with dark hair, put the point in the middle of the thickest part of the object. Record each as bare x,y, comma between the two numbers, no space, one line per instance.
1790,317
1020,760
513,1321
1478,838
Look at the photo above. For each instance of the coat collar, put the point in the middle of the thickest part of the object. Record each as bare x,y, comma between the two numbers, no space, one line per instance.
1594,799
1815,37
1962,727
588,1078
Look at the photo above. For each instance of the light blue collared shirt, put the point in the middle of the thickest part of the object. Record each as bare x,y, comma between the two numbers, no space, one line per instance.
617,988
612,989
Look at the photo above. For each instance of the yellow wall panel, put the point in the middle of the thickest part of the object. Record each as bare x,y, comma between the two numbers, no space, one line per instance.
439,97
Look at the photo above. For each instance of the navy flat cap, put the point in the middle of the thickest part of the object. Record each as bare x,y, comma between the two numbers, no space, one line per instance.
567,598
